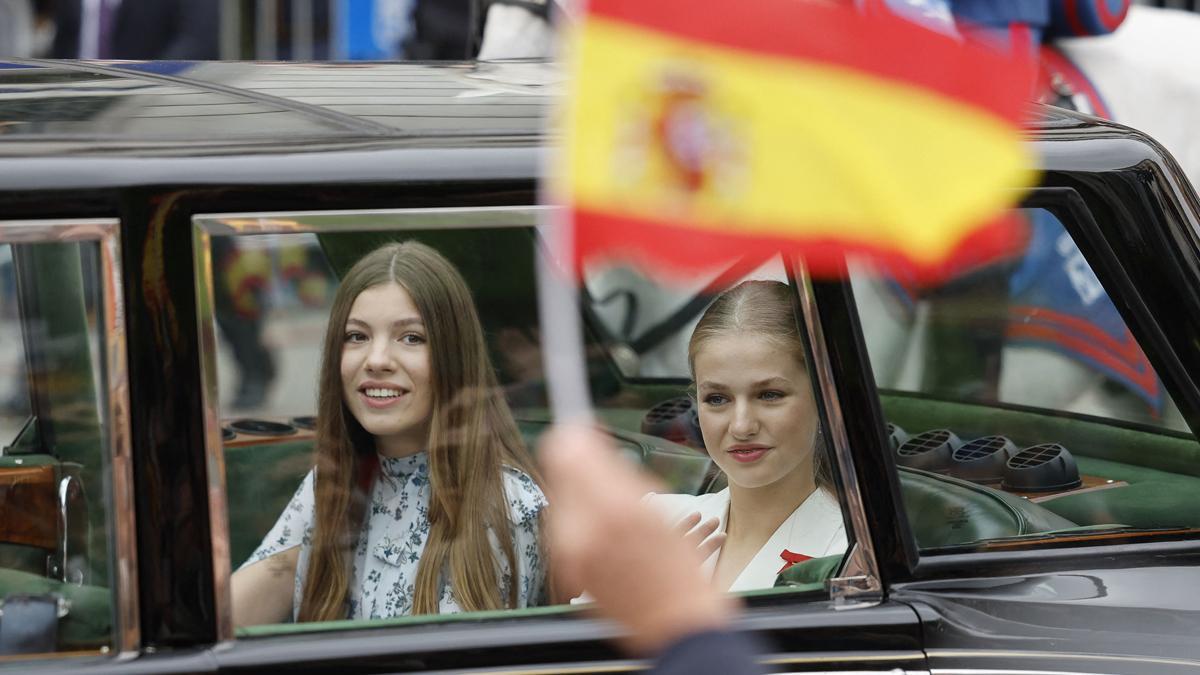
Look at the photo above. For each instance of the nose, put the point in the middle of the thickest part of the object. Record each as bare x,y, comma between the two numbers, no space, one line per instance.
379,357
744,424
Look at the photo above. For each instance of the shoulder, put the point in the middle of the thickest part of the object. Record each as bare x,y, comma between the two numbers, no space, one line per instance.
525,496
676,506
824,532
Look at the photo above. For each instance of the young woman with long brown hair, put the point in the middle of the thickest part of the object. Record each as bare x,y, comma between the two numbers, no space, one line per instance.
423,498
759,421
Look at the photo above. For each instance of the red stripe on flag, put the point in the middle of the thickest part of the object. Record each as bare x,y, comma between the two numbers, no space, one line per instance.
678,251
881,45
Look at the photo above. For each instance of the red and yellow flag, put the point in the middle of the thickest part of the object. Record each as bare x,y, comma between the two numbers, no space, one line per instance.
700,130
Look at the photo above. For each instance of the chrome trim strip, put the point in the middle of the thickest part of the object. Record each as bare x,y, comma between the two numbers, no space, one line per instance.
206,226
1011,653
121,520
863,589
1007,671
214,455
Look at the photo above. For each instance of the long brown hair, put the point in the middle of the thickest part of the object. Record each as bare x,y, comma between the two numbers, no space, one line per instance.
472,437
765,308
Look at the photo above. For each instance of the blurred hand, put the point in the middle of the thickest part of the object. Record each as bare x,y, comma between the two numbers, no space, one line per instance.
700,534
604,538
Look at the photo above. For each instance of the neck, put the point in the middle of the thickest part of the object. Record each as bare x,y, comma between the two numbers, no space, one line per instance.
398,447
756,513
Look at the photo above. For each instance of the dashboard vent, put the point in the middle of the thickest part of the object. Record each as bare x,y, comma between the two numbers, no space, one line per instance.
929,450
983,459
896,436
675,420
262,427
1047,467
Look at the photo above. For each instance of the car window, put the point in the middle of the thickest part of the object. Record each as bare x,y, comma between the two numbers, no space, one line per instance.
273,445
62,463
1020,405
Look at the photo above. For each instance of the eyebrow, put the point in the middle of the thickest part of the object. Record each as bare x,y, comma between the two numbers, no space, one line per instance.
410,321
775,380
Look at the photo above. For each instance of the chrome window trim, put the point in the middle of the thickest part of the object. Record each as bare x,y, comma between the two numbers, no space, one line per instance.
122,523
204,227
859,585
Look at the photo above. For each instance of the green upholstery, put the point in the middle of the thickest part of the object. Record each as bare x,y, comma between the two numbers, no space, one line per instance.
1167,451
945,511
942,512
88,624
260,479
810,575
1153,498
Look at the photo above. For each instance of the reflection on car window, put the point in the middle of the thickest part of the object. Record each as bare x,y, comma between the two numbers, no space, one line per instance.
1019,403
54,546
15,410
646,323
404,403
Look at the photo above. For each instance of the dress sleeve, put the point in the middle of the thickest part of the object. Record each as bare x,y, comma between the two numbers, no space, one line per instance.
526,503
294,526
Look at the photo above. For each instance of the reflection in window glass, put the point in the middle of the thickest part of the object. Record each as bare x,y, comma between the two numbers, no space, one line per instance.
646,324
54,551
432,387
1020,405
15,410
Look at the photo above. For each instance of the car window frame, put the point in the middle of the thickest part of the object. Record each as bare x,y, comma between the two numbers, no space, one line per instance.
901,560
118,462
204,226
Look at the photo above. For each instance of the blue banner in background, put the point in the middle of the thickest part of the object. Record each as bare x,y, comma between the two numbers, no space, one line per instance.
372,29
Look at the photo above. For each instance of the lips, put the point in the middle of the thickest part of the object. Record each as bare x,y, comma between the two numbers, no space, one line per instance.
748,453
380,394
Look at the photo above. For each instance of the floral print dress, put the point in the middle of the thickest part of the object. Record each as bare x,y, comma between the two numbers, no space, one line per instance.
394,534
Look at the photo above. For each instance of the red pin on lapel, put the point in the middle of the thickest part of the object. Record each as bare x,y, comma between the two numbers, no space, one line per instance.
790,559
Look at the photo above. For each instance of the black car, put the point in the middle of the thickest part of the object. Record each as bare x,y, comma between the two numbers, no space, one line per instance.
1016,462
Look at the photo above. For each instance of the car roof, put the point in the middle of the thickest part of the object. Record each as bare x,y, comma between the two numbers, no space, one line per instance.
173,107
100,124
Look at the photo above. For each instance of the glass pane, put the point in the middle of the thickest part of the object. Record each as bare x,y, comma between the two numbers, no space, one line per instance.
54,550
1020,404
420,357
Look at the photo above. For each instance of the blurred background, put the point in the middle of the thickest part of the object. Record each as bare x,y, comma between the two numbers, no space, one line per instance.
249,29
287,30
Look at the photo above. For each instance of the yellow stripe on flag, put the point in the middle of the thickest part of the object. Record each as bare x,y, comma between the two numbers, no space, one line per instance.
784,146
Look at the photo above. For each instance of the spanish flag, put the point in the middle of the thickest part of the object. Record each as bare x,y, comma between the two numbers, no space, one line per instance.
697,131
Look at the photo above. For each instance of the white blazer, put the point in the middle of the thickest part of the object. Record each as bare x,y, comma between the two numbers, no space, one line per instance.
814,529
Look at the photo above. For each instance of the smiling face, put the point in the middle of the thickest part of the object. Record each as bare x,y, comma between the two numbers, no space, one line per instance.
756,408
386,372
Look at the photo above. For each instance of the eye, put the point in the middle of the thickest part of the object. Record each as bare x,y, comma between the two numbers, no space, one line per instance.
355,337
412,339
772,395
715,399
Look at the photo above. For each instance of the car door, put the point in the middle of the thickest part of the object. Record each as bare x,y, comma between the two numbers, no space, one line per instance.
1041,413
261,448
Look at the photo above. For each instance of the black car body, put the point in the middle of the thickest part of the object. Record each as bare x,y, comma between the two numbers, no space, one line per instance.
150,163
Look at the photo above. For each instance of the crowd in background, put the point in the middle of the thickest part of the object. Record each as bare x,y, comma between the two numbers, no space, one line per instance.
198,29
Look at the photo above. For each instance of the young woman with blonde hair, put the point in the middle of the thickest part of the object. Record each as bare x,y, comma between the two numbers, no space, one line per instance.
423,498
759,421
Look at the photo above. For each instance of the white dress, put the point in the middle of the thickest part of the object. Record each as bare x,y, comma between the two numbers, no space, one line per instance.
814,530
394,534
